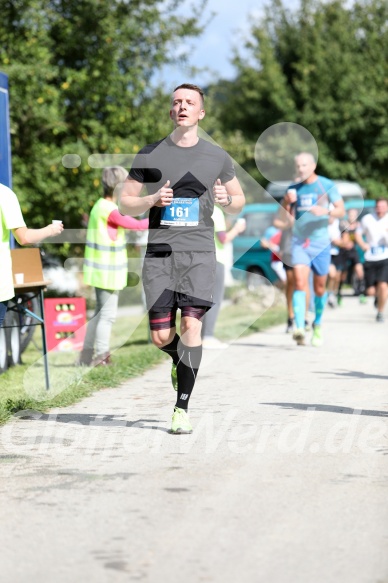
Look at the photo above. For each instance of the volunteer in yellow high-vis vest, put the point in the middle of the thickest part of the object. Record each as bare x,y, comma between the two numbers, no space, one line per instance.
106,265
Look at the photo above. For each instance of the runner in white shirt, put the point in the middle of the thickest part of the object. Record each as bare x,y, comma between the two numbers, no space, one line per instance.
375,228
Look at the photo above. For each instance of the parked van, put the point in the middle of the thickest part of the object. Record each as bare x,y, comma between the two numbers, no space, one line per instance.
249,258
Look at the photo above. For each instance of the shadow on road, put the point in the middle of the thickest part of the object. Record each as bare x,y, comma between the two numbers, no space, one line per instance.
268,345
329,409
94,420
354,374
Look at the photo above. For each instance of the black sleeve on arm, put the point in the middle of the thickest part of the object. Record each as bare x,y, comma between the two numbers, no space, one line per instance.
142,168
136,173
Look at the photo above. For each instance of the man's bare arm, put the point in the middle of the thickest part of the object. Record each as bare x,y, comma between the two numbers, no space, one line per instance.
26,236
232,188
284,218
339,209
132,204
360,241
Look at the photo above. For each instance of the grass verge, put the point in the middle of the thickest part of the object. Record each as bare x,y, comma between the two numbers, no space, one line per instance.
22,387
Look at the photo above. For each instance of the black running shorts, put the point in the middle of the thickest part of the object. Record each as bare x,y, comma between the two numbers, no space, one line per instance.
375,271
338,262
351,257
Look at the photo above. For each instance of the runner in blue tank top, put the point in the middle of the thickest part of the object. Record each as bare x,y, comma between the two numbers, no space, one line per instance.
311,197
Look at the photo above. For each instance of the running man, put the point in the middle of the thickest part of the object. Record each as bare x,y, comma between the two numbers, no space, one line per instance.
351,259
375,227
184,176
273,244
311,241
281,222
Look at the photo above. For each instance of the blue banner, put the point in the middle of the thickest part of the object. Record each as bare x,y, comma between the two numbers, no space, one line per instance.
5,140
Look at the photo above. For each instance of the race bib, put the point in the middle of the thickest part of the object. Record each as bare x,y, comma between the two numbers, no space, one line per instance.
183,212
306,202
378,249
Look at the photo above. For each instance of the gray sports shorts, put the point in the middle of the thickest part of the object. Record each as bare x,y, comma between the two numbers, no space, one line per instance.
179,278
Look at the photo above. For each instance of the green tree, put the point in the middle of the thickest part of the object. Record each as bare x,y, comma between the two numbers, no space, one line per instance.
324,67
80,83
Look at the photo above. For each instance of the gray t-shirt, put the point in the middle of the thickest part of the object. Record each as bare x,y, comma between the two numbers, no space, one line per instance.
187,224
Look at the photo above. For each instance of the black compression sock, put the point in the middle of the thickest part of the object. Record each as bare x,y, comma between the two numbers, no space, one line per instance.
172,349
187,369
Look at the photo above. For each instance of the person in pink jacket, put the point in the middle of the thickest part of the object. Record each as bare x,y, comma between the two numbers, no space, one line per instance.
106,265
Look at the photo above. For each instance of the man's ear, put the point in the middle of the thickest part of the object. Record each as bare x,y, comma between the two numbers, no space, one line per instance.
202,114
170,113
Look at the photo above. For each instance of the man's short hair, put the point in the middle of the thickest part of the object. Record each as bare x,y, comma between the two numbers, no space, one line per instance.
381,198
193,88
309,154
111,177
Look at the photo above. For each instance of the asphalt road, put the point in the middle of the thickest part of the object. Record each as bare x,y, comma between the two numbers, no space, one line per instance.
284,479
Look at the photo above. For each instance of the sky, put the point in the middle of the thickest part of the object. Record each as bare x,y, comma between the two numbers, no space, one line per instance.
214,49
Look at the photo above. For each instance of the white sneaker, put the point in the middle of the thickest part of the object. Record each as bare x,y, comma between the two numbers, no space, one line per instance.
331,300
213,343
299,336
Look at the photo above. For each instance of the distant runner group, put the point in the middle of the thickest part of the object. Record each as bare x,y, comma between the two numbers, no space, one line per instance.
314,235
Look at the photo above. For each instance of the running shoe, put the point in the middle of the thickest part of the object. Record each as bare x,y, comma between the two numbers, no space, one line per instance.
299,336
317,339
362,299
180,422
339,300
380,317
290,325
174,377
375,303
307,326
331,300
